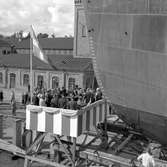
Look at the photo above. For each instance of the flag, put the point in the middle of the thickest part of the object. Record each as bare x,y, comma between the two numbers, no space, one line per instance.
36,48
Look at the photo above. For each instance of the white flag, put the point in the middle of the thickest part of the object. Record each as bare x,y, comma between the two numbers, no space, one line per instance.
37,50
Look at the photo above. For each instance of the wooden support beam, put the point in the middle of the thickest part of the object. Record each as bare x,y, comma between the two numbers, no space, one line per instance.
43,161
64,149
105,118
12,116
65,161
36,142
89,143
52,152
55,154
74,151
4,145
17,132
26,162
123,144
1,126
89,154
105,158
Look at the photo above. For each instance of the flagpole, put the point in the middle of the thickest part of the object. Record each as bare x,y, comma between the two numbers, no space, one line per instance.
31,74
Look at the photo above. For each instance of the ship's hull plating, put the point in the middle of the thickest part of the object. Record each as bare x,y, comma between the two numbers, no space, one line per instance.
129,49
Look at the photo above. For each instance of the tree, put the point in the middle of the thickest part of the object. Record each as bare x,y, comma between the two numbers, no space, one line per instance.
53,36
1,36
42,35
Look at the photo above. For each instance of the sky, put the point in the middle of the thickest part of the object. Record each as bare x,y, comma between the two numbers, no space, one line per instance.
46,16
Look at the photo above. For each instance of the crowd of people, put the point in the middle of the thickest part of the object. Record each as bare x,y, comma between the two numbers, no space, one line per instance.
67,99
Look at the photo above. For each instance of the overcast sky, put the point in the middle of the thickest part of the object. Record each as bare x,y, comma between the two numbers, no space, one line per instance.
46,16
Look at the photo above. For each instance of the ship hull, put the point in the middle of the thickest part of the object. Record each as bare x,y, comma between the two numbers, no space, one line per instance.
129,52
152,125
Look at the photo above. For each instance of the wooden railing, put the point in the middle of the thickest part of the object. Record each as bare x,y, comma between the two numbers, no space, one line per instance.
64,121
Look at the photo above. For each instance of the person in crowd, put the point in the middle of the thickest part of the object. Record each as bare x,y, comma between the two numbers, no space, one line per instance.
80,102
72,103
54,101
42,100
13,103
35,99
62,101
63,92
98,94
146,159
75,91
62,98
48,98
87,96
92,96
23,98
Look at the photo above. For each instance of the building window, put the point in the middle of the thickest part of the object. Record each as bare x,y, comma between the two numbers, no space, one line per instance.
70,52
55,82
88,82
83,31
1,77
4,52
45,51
56,51
51,51
62,52
25,80
65,52
71,83
59,51
40,81
12,80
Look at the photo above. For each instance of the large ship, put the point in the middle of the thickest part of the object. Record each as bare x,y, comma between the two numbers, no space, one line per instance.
128,44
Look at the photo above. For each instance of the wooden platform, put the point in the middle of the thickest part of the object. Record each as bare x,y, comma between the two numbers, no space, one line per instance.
60,151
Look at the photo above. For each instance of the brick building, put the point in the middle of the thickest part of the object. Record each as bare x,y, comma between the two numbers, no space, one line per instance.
65,71
5,47
58,46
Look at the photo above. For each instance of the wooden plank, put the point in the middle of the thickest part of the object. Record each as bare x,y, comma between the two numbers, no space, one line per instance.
17,129
12,116
105,158
123,144
39,138
26,163
64,149
74,151
89,107
1,126
4,145
15,150
65,161
43,161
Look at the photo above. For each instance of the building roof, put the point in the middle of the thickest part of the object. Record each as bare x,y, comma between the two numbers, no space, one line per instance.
4,43
47,43
58,62
22,61
69,63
